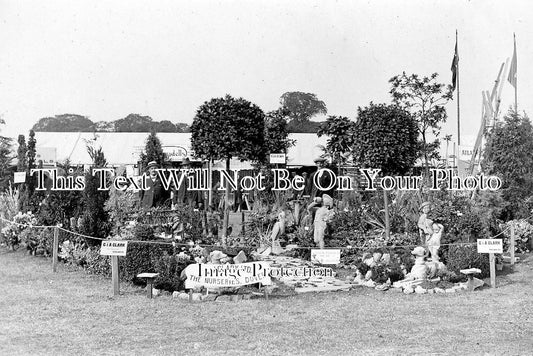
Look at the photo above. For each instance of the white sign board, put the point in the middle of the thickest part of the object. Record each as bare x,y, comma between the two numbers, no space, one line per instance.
466,152
46,154
20,177
326,257
113,248
227,275
278,158
174,153
490,246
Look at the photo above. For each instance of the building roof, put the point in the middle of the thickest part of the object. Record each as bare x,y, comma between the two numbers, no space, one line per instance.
124,148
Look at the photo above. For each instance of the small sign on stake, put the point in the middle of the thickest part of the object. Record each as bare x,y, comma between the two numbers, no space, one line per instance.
278,158
114,248
20,177
489,246
326,257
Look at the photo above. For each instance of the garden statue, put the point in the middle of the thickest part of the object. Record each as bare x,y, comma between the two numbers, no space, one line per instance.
433,243
424,223
419,272
277,231
323,215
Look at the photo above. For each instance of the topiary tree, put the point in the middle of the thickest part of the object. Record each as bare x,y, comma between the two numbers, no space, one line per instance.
508,156
153,151
227,127
385,137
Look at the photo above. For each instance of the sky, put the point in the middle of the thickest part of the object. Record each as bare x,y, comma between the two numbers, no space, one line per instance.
164,59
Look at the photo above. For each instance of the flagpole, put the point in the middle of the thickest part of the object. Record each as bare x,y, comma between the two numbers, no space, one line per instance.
516,81
458,111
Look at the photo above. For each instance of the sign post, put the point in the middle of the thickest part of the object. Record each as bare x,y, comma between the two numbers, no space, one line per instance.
114,249
55,249
491,246
513,241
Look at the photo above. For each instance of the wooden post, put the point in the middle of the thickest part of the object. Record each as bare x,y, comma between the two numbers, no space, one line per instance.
492,261
513,239
55,249
115,276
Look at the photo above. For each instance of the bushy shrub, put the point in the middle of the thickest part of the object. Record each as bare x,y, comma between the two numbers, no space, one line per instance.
13,231
466,256
523,233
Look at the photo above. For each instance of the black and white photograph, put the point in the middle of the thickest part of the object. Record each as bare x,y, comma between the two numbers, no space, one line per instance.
253,177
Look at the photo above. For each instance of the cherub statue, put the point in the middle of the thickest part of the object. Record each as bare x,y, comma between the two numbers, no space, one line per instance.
433,242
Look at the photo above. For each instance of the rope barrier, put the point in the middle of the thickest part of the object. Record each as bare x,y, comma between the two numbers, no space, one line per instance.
175,244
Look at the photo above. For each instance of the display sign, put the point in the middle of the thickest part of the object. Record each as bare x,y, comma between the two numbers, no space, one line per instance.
278,158
174,153
46,154
466,152
113,248
490,246
326,257
20,177
227,275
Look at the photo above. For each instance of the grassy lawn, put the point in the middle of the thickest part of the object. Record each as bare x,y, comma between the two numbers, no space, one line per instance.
70,312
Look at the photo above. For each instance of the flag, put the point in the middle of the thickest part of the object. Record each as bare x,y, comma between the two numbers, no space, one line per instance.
455,66
512,70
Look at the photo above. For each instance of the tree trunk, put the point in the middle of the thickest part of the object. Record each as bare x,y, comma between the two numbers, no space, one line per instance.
226,210
387,222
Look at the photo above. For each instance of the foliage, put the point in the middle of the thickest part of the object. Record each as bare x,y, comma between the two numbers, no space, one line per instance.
425,99
95,220
134,123
276,133
9,203
38,241
12,231
302,106
462,221
131,123
153,150
29,201
64,123
508,156
385,138
22,150
5,162
523,231
118,206
227,127
462,257
340,132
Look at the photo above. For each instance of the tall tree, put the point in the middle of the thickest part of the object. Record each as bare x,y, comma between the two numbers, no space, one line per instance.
5,162
302,107
385,137
508,156
153,150
64,123
21,154
424,98
227,127
276,132
95,220
134,123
